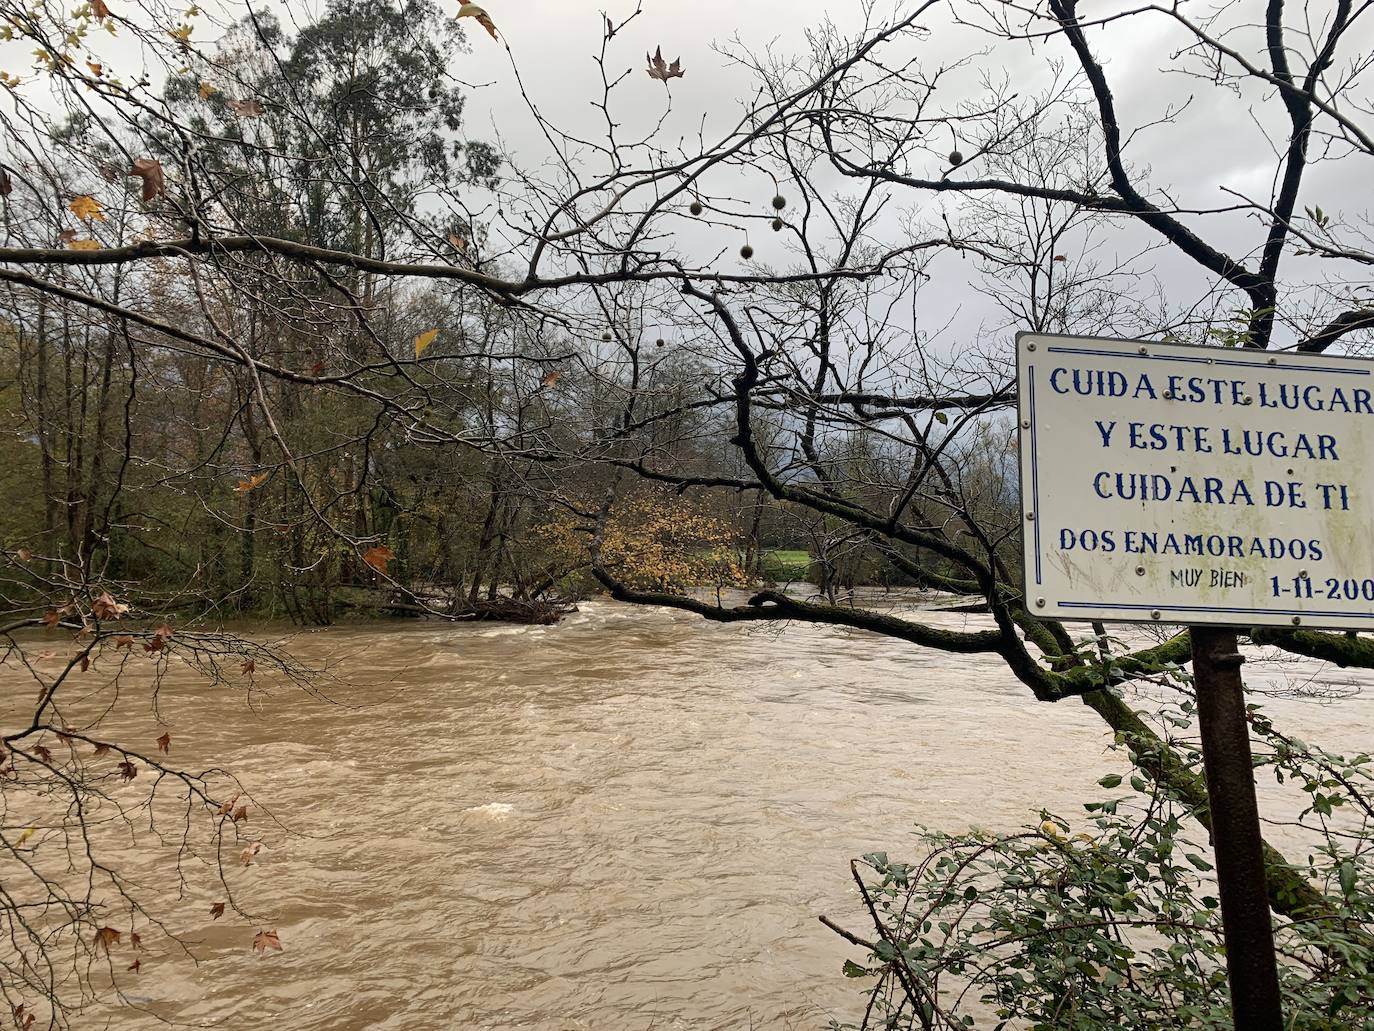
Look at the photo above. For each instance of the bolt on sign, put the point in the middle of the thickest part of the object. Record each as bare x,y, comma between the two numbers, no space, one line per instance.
1183,484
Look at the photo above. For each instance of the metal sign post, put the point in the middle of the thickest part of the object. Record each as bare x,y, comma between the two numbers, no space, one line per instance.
1251,967
1211,487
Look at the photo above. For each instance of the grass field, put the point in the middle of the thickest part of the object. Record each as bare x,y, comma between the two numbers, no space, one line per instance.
778,564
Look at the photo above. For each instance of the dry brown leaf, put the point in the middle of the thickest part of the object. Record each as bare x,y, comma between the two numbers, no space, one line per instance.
550,379
246,856
150,171
135,940
377,557
124,641
660,69
106,936
135,965
42,752
66,236
52,617
225,808
84,245
99,9
128,770
241,813
6,183
207,90
100,749
216,910
105,606
458,243
23,554
480,15
254,481
164,743
248,666
96,68
250,108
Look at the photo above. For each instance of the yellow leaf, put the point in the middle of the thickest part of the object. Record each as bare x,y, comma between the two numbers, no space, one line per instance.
26,836
84,245
86,207
424,340
207,91
483,19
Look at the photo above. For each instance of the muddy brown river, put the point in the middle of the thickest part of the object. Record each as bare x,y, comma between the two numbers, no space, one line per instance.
631,820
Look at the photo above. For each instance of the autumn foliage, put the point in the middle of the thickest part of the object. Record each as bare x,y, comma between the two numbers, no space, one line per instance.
659,540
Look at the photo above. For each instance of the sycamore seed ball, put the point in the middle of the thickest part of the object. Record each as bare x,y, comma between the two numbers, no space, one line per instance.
658,342
777,225
955,158
746,252
696,207
779,202
606,337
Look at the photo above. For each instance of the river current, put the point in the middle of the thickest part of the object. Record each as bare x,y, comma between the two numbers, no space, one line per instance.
631,820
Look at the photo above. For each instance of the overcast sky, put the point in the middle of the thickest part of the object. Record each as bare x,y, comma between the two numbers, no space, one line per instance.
1214,145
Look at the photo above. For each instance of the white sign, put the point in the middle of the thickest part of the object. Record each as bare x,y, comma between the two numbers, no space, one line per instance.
1180,484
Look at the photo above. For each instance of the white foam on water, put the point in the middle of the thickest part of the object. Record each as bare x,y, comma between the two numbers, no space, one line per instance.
492,810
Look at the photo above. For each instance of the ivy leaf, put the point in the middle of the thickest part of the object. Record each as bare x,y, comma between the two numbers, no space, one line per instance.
424,340
1347,876
483,19
660,69
852,969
